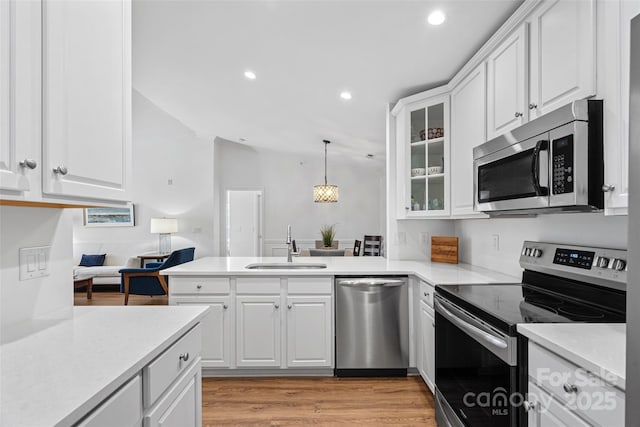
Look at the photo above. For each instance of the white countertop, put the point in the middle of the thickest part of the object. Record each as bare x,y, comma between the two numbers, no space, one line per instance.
57,375
431,272
598,347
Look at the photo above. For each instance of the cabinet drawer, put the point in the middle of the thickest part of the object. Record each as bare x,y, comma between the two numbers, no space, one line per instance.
263,285
199,285
123,408
426,293
310,285
181,405
591,396
160,373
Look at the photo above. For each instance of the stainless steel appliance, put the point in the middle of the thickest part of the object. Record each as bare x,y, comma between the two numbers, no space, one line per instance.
372,326
551,164
481,361
633,321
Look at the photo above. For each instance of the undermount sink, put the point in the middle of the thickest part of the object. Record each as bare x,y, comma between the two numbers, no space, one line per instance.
284,266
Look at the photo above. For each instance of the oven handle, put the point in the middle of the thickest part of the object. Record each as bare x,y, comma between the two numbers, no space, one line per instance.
469,328
541,145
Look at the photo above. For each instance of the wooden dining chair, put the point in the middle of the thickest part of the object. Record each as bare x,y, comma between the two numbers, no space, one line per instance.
356,247
372,246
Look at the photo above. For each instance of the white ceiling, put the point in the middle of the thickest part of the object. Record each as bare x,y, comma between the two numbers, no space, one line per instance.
189,58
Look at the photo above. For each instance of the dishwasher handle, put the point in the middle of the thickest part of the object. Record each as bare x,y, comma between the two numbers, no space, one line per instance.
371,282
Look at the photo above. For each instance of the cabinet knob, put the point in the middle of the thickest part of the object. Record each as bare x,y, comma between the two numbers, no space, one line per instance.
198,286
184,357
518,114
60,170
225,306
533,106
28,163
433,324
528,406
426,294
406,208
277,306
570,388
289,306
608,188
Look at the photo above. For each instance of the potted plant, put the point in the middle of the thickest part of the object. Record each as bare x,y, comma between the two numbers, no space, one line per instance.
328,233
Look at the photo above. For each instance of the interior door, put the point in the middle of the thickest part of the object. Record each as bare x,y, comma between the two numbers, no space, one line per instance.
244,223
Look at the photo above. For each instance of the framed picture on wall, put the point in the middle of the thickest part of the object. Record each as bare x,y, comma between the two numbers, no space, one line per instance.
109,217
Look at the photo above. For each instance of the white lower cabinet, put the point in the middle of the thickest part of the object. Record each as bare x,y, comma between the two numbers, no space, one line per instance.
258,330
427,360
309,332
217,338
181,405
167,392
545,411
564,394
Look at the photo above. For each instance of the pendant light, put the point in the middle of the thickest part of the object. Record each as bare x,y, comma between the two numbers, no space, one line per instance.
325,193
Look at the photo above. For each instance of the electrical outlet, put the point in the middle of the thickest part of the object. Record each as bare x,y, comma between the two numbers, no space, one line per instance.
34,262
495,242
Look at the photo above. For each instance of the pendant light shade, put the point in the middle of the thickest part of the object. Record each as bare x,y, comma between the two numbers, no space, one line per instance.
325,193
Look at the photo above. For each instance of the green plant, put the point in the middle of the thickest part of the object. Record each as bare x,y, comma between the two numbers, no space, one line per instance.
328,233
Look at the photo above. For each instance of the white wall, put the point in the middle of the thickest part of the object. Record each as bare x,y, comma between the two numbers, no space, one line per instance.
163,149
288,179
591,229
32,304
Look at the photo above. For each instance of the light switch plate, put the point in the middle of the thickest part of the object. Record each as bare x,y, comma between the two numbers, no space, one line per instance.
34,262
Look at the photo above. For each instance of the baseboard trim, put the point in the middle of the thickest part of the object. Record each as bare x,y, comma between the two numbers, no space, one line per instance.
260,372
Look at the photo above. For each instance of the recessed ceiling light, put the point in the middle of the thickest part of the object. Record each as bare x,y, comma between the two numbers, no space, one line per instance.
250,75
345,95
436,18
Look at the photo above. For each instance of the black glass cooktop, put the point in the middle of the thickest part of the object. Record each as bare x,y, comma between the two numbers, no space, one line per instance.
544,302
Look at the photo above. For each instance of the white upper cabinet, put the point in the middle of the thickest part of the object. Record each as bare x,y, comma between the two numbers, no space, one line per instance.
506,85
86,74
422,142
468,125
563,52
19,97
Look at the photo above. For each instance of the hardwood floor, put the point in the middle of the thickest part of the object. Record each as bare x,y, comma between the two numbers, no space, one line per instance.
116,298
316,401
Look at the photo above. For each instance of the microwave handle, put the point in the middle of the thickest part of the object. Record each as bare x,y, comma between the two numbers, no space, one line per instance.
541,145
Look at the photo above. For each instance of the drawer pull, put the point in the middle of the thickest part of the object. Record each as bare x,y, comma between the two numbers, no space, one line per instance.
518,114
60,170
277,306
198,286
28,163
570,388
184,357
225,306
289,306
529,406
426,294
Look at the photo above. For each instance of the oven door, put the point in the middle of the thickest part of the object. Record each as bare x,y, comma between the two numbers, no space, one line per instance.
513,178
476,370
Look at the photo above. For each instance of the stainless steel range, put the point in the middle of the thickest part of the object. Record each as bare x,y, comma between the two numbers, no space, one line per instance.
481,361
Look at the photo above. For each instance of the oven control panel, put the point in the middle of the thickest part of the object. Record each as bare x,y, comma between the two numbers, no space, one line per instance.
603,266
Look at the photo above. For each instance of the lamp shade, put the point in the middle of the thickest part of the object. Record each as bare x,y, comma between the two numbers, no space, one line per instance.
164,225
326,193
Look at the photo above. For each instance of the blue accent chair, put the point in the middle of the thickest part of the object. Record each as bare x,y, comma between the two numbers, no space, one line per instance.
149,280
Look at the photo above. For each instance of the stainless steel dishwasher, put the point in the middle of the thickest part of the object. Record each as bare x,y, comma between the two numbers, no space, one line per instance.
372,326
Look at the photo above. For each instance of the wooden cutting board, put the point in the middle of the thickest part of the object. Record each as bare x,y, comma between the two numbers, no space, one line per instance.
444,249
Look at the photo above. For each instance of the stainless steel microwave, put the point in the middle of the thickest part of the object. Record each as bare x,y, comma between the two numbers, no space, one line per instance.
551,164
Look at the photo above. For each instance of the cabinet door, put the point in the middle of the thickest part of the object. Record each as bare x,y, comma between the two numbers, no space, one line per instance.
547,412
428,331
181,404
258,330
506,89
562,55
87,98
468,129
309,332
216,329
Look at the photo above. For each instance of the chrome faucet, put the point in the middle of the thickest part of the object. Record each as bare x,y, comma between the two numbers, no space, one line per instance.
289,257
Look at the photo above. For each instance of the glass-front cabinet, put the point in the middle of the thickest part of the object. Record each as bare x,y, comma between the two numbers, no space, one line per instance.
423,157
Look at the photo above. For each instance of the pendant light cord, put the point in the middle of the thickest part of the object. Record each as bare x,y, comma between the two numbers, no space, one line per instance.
326,142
